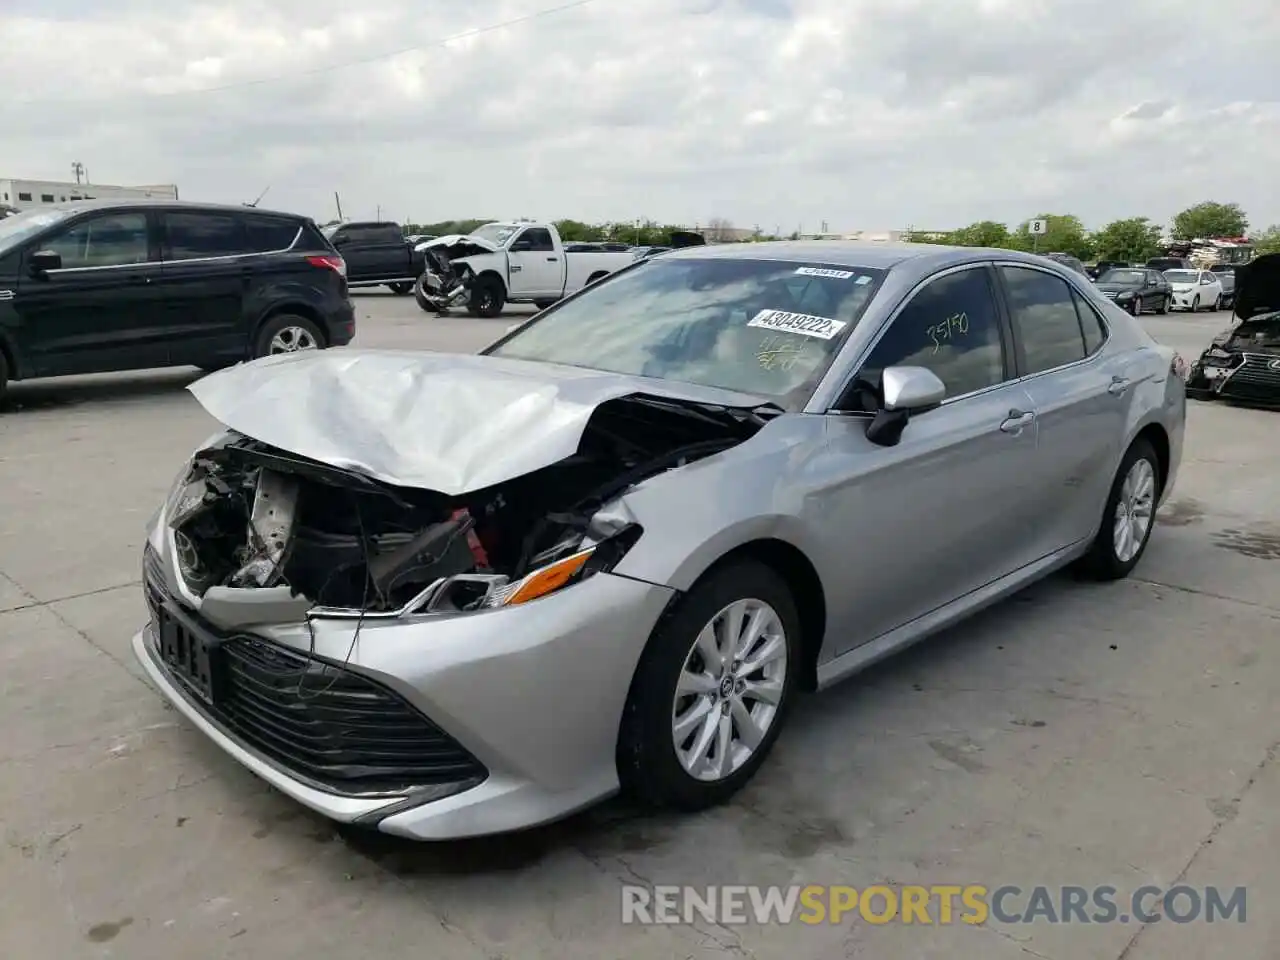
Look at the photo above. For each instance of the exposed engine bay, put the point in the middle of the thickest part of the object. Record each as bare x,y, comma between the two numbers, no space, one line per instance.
251,517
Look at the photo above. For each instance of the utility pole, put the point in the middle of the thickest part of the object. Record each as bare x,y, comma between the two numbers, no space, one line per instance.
337,202
378,216
78,169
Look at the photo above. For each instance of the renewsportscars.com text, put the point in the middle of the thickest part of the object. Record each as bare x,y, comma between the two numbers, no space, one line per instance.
938,904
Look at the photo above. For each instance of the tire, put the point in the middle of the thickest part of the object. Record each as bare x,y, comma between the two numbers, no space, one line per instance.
1165,306
598,275
1217,303
1195,304
1136,309
649,767
401,289
543,304
290,328
420,297
488,297
1105,561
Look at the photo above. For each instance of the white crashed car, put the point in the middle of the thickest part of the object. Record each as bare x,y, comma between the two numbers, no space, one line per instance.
1195,290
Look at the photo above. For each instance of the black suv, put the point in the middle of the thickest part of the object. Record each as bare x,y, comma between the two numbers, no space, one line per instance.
98,286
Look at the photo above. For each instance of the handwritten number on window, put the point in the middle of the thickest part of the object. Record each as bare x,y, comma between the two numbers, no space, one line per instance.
956,325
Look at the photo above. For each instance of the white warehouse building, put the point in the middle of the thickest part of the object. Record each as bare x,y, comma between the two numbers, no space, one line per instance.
31,194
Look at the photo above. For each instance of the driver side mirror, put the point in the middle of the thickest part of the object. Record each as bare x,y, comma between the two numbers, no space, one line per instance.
42,261
521,245
904,392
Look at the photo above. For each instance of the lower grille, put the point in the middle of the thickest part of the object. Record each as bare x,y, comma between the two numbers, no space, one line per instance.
325,724
334,725
1254,380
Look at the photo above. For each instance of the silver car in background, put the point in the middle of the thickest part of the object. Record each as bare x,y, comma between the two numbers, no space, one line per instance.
446,595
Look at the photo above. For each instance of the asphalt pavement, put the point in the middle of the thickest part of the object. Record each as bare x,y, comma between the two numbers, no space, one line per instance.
1076,735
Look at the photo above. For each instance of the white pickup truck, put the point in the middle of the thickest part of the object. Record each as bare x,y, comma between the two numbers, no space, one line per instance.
521,262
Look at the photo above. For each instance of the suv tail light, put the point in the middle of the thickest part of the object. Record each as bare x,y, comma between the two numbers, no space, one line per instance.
330,262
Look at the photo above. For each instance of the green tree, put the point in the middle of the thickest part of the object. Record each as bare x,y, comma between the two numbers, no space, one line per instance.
984,233
1268,241
1210,219
572,231
1134,240
1065,234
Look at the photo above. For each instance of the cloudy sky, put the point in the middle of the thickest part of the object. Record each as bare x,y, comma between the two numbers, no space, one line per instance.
866,114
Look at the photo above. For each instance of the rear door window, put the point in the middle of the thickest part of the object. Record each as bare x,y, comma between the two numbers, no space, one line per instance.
199,236
268,234
1044,318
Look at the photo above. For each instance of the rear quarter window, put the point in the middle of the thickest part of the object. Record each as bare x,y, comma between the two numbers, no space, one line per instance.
269,234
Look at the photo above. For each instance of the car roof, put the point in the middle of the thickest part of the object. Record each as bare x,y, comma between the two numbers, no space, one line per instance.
77,206
852,253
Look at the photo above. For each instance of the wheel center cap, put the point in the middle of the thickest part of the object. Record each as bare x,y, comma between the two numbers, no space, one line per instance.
726,686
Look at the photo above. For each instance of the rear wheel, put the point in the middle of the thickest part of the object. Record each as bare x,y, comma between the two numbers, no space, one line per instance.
1128,517
287,333
1217,303
711,691
401,289
1165,305
543,304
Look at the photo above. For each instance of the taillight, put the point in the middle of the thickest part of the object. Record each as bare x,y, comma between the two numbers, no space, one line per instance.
330,262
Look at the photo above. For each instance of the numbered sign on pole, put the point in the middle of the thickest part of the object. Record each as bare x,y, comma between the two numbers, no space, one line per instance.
1039,228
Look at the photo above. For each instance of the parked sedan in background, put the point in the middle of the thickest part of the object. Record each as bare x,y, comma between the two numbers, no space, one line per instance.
1226,274
611,550
1068,261
1195,289
1136,289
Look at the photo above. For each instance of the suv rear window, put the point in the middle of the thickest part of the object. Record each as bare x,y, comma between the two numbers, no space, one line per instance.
193,236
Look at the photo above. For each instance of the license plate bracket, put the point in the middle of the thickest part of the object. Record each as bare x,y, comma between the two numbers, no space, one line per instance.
192,658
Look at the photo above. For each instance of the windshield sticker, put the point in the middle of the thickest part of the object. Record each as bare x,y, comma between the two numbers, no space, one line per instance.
824,328
956,325
823,272
780,353
862,280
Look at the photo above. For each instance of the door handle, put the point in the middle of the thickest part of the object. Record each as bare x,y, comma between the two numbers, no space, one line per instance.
516,268
1118,386
552,259
139,280
1017,421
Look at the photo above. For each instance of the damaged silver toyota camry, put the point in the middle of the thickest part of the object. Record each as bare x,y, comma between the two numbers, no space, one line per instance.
445,595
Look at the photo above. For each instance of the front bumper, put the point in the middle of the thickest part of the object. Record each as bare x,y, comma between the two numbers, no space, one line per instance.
534,693
1185,299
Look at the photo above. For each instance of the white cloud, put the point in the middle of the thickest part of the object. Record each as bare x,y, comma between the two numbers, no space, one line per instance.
861,113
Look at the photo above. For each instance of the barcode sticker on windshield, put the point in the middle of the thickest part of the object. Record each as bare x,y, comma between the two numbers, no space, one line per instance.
824,272
823,328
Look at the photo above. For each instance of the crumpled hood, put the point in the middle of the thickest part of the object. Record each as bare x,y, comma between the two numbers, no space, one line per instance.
452,423
456,238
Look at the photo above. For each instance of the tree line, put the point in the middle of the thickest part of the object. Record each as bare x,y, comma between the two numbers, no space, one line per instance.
1133,239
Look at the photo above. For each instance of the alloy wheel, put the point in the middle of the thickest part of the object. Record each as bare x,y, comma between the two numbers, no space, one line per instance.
729,690
1134,510
291,340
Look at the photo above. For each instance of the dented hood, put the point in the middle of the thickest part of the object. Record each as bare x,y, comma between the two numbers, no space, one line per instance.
453,423
455,239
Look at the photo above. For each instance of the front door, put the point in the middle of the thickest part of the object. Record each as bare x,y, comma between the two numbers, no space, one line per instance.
205,278
944,512
104,308
536,266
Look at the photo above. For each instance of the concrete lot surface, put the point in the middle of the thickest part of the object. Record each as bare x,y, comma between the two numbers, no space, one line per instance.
1077,735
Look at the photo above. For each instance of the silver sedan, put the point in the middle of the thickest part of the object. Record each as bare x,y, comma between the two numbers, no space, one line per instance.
446,595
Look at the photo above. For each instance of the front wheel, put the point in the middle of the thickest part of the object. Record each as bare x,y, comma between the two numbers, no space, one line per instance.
487,298
1195,303
1128,517
287,333
1136,307
711,691
401,289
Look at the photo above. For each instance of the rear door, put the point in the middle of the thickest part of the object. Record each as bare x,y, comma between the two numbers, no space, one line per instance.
1081,396
206,275
104,309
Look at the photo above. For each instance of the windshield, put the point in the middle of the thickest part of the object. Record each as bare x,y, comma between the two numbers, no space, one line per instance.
765,327
1128,277
15,229
496,233
1258,332
1182,276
